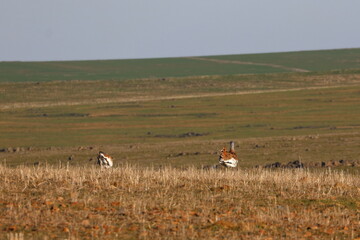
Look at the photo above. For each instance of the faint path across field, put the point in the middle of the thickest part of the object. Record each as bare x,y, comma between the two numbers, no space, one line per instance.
250,63
152,98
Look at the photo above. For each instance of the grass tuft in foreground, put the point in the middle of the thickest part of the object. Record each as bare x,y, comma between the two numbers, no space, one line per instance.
131,203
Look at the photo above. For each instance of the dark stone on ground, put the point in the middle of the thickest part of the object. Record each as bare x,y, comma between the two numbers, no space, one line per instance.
273,165
299,164
294,164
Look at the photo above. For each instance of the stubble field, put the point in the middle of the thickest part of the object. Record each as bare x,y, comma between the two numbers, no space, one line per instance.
131,203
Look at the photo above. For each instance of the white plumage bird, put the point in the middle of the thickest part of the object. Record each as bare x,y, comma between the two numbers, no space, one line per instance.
104,160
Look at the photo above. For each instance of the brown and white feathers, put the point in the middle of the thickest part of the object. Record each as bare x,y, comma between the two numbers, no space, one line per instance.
104,160
228,159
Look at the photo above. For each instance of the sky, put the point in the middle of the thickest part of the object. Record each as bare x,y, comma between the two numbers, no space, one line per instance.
43,30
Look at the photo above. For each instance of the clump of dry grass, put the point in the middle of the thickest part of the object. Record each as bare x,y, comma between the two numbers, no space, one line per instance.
131,202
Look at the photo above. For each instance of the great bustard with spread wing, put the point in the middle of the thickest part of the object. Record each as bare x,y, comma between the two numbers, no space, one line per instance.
228,159
104,160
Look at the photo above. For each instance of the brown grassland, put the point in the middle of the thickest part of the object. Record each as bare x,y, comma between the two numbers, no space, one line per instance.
166,203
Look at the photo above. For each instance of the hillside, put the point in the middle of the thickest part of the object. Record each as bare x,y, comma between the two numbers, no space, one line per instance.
321,60
180,67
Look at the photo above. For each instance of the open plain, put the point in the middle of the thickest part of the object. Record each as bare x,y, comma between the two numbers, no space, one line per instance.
163,120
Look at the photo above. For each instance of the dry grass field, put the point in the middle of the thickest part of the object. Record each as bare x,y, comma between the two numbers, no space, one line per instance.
163,120
61,202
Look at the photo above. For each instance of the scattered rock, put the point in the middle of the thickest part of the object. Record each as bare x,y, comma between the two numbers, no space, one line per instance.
15,149
184,135
183,154
273,165
294,164
259,146
192,134
299,164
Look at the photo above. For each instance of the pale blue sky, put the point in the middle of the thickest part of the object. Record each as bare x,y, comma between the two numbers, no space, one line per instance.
120,29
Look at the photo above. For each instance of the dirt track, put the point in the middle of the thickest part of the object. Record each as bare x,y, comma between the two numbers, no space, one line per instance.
250,63
145,99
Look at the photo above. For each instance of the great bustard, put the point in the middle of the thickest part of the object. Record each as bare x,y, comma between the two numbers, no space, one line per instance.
104,160
228,159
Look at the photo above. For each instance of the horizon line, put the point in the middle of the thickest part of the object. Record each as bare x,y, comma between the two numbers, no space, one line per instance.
174,57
